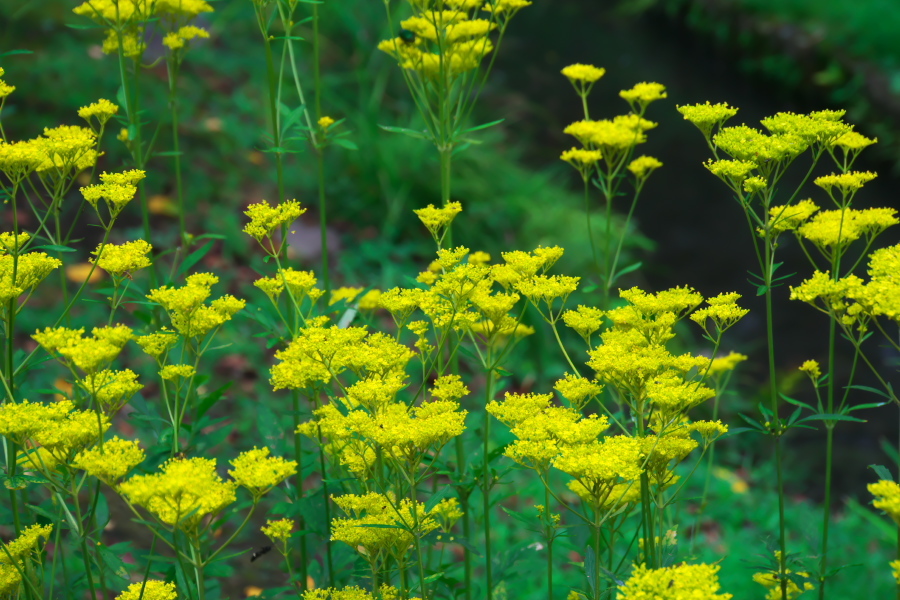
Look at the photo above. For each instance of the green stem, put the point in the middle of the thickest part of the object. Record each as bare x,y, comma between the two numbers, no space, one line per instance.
486,484
298,482
273,113
549,545
173,107
466,519
773,397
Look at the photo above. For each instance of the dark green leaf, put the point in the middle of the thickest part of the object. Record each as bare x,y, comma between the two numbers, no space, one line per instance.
170,153
344,143
628,269
193,258
437,498
882,472
422,135
831,417
484,126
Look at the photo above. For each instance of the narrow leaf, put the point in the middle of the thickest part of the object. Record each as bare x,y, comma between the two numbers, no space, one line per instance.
882,472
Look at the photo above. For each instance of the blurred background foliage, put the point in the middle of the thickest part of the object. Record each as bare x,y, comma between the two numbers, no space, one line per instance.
762,56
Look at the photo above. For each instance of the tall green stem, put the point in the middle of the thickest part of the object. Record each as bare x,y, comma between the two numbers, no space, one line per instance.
487,484
466,518
298,482
273,113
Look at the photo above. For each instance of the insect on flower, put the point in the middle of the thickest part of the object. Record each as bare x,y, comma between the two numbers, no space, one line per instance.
260,552
406,35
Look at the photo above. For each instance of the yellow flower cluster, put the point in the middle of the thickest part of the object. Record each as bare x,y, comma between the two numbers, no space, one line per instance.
818,127
175,40
182,493
152,589
185,305
117,189
379,509
437,220
170,372
264,218
887,498
13,555
21,272
386,592
126,21
259,472
643,94
611,137
278,531
707,116
103,110
120,259
441,45
5,88
50,433
112,461
88,354
300,284
698,582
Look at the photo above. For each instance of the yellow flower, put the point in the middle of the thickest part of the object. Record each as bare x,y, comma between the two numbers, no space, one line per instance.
182,493
698,582
585,73
278,531
259,472
123,258
325,122
811,368
149,590
707,116
643,94
264,218
642,166
102,109
112,462
437,220
726,363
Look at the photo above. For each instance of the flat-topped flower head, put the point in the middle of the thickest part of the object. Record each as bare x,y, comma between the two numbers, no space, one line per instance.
265,219
182,493
707,116
111,463
726,363
643,94
642,166
120,259
102,110
278,531
185,305
823,127
176,40
846,183
152,589
853,142
437,220
583,77
259,472
697,582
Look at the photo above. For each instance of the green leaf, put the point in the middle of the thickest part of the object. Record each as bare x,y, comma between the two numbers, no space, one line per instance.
831,417
437,498
519,517
865,406
210,399
170,153
12,52
345,143
790,400
193,258
761,290
882,472
866,388
112,561
628,269
422,135
484,126
590,565
54,248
